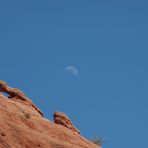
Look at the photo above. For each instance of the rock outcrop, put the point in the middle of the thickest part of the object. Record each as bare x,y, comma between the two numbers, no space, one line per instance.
22,125
17,95
62,119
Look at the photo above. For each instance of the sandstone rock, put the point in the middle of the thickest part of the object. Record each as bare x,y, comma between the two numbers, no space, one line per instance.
17,95
23,126
3,86
62,119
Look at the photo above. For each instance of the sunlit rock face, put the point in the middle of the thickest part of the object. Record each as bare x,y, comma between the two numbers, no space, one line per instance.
62,119
22,125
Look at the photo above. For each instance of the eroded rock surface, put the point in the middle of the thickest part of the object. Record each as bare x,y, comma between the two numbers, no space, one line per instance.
22,126
62,119
17,95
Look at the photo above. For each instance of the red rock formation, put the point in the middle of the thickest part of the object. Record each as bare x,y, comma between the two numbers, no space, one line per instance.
62,119
23,126
17,95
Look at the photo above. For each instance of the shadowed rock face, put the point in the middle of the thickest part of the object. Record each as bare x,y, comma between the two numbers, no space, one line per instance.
23,126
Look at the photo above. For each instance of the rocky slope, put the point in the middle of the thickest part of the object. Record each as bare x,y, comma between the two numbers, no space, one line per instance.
22,125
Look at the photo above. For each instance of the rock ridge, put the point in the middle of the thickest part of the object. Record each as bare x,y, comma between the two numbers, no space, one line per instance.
22,125
17,95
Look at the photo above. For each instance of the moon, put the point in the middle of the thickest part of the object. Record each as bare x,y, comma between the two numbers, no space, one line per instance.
72,70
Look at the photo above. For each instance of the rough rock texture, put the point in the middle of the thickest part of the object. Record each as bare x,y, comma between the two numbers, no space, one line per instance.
17,95
22,125
62,119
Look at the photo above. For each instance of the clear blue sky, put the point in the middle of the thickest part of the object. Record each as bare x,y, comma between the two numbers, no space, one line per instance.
107,41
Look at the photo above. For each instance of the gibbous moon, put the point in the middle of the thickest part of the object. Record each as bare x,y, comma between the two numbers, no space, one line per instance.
72,70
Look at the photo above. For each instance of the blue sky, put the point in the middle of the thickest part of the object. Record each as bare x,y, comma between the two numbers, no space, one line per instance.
105,40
